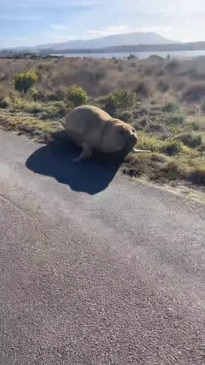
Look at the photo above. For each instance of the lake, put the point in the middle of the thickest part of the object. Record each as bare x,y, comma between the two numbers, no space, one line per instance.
141,55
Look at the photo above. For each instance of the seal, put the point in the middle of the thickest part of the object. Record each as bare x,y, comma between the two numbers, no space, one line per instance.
93,129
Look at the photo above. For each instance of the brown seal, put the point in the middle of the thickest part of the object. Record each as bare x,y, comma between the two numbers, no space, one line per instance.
93,129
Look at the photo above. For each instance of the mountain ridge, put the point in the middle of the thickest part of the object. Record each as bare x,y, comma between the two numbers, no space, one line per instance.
124,39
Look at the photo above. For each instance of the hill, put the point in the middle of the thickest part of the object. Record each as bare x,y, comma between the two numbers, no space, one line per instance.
135,38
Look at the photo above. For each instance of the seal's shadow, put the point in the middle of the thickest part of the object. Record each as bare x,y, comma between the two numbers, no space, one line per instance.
56,161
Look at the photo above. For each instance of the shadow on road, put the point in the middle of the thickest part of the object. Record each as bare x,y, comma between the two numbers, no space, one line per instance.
57,161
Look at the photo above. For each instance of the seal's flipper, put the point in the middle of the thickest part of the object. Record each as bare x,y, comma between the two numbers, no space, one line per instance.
85,154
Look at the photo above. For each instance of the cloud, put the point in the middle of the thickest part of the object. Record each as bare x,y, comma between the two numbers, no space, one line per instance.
52,4
59,27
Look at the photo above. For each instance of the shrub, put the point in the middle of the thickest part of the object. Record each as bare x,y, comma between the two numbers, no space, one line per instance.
172,147
120,100
141,112
192,140
24,81
195,92
197,175
75,96
177,119
163,85
3,103
172,170
124,99
56,110
145,88
131,56
126,116
110,105
171,108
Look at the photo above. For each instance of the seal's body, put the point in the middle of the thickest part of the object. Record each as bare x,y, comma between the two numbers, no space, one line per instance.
93,129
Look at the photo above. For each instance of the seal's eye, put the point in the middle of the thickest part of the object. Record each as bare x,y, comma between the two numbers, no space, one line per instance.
122,132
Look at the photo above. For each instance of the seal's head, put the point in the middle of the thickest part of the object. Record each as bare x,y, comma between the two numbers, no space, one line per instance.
126,135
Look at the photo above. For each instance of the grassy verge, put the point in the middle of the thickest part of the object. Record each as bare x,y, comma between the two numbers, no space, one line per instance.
37,129
173,129
169,161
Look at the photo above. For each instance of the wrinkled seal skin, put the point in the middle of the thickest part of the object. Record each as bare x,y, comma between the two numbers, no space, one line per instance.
93,129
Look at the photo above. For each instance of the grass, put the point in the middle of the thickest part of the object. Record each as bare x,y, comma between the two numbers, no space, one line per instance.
173,130
30,125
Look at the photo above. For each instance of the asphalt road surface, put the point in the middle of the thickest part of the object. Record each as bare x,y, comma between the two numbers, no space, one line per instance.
95,269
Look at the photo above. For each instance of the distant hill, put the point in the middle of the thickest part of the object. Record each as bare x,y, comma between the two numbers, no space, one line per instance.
192,46
136,38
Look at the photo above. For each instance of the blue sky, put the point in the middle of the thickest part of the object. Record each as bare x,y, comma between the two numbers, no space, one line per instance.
32,22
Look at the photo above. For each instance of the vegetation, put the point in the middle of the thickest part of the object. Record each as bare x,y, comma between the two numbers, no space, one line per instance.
24,81
162,99
75,96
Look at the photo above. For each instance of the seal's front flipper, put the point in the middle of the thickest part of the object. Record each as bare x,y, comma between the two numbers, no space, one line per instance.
85,154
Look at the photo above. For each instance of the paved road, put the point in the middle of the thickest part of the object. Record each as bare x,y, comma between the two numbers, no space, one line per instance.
95,269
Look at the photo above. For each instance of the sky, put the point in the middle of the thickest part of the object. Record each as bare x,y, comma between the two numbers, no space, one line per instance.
33,22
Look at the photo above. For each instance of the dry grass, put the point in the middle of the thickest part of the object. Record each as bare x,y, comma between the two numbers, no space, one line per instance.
182,79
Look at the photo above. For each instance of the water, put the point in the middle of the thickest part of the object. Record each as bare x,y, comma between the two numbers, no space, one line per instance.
141,55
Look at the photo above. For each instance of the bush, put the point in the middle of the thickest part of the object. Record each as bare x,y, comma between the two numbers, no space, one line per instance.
56,110
120,100
177,119
171,108
110,105
3,103
192,140
24,81
141,112
172,147
145,88
126,116
124,98
172,170
195,92
197,175
163,86
75,96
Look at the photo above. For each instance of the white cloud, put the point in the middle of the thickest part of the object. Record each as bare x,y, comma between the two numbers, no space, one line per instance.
58,27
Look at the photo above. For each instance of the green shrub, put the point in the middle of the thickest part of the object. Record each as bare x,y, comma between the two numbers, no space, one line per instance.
124,98
24,81
75,96
120,100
